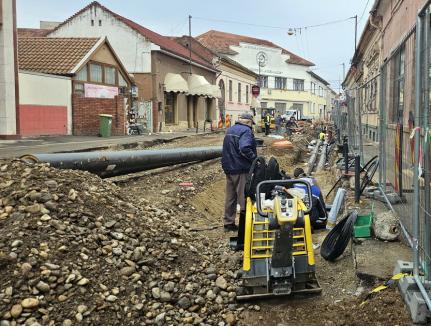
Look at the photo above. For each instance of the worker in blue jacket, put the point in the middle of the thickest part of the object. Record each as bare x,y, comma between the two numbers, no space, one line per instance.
239,151
318,214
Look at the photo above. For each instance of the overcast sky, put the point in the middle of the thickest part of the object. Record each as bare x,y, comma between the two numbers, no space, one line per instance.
327,46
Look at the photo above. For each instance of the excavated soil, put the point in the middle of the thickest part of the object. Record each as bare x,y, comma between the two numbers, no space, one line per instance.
173,279
341,289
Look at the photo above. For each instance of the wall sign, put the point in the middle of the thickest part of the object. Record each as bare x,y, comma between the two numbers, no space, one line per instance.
255,90
262,58
100,91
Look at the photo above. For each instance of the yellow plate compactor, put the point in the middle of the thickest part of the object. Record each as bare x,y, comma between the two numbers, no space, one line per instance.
278,248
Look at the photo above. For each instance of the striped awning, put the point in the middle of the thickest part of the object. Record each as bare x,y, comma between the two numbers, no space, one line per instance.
198,85
175,83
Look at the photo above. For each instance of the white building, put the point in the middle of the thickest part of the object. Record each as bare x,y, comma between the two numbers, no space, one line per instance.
285,78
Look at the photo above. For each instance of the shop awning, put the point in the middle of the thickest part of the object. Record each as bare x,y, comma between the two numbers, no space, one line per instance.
175,83
198,85
216,91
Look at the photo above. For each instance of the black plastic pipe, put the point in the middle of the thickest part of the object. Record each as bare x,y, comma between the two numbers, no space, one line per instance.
114,163
346,154
357,178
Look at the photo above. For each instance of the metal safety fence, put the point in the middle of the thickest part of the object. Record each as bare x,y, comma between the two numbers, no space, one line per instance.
397,101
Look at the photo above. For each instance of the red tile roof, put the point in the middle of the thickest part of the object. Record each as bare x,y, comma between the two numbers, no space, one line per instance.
33,32
197,47
164,42
52,55
221,41
207,54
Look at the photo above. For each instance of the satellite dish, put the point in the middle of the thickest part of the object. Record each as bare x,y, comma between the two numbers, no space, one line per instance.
290,32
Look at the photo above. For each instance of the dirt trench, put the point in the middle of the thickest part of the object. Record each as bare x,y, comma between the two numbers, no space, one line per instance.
200,208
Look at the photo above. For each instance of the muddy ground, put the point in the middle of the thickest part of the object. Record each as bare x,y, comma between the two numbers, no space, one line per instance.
200,206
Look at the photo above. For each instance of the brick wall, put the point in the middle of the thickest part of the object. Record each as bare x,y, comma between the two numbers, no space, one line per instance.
85,115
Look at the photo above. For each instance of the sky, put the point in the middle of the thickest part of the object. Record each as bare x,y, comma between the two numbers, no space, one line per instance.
327,46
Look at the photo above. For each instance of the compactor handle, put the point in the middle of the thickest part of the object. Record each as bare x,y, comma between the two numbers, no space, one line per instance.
282,183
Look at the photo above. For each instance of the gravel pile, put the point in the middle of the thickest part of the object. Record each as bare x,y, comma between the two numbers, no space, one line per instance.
78,249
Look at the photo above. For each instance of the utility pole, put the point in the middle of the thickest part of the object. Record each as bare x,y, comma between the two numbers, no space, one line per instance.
356,32
190,44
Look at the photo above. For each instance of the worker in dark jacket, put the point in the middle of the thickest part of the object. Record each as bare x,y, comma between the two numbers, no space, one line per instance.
318,214
239,151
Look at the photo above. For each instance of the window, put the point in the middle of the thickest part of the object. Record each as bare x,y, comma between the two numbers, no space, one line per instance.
280,107
95,73
298,84
230,91
82,74
100,22
239,92
92,22
170,107
246,93
313,88
312,108
320,91
263,81
263,105
109,75
280,82
398,108
121,81
298,107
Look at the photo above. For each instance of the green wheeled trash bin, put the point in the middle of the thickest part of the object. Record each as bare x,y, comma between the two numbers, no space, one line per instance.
105,125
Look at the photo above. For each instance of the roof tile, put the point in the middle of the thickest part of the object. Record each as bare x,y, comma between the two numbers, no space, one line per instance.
33,32
221,41
164,42
52,55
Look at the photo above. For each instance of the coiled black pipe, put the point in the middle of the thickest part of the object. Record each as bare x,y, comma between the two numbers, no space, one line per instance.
338,238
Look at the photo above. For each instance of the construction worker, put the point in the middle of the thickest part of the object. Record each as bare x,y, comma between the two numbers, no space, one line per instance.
227,120
278,121
267,123
239,151
290,125
318,214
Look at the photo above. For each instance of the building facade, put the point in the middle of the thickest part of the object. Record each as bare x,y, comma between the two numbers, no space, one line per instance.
285,79
149,57
65,83
234,82
362,80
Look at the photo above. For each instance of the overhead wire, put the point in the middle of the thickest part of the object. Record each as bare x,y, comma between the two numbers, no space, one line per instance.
363,12
274,27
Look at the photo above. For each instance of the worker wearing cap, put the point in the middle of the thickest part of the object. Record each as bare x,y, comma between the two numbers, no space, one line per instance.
239,151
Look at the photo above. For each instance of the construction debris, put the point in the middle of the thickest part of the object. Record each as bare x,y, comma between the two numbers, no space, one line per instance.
386,226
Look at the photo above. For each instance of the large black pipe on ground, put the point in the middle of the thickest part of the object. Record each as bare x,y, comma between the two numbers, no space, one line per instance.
110,163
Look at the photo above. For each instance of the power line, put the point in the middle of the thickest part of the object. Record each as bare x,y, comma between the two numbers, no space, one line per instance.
274,27
363,12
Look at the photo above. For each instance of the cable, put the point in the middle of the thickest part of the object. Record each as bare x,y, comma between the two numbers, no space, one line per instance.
274,27
363,12
338,238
